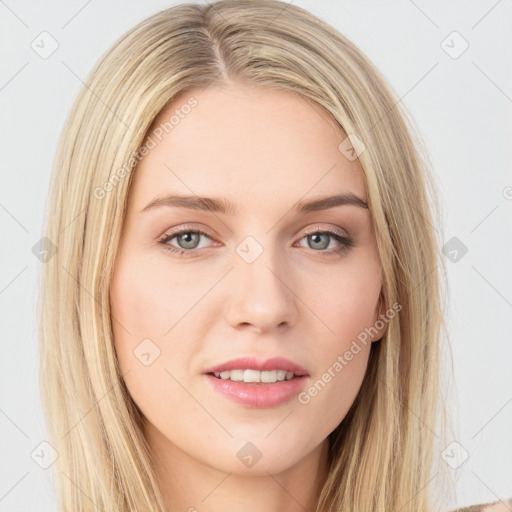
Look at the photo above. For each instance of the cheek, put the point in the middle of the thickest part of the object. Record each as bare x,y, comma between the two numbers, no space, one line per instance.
153,313
147,299
346,307
346,302
342,362
138,301
145,306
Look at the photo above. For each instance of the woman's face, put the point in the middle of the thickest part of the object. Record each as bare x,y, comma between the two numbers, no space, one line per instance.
256,283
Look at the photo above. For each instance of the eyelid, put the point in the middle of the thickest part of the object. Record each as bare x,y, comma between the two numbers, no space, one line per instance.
319,229
184,228
347,240
191,228
308,231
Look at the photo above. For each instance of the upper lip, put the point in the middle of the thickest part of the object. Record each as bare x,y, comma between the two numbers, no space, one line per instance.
252,363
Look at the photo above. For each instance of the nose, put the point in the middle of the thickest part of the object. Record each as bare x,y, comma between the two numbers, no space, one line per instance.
262,295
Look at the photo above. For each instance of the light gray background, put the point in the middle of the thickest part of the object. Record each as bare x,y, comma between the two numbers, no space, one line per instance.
462,107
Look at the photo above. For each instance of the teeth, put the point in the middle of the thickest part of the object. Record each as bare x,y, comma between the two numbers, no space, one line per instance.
269,376
236,375
255,376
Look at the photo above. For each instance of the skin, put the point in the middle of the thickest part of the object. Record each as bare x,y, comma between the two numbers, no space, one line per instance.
264,150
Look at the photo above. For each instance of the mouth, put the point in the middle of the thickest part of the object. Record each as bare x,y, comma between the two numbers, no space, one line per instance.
249,376
255,383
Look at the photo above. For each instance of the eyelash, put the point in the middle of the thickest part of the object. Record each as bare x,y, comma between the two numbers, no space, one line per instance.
346,242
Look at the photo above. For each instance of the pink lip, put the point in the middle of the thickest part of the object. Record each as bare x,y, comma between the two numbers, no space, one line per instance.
257,394
251,363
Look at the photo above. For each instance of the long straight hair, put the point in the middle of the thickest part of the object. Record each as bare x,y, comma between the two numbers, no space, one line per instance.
385,454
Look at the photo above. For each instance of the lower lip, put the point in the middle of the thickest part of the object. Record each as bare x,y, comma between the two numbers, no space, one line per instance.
258,395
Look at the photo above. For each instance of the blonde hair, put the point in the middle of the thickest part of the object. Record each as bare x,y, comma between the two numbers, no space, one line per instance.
383,454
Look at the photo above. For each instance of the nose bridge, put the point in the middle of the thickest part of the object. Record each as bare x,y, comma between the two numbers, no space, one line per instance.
261,292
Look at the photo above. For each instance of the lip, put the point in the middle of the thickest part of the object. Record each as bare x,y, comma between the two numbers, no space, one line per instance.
251,363
258,395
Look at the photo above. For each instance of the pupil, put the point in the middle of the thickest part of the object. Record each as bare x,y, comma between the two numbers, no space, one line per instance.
190,243
315,240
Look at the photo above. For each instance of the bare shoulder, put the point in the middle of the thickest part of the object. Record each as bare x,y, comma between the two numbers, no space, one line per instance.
497,506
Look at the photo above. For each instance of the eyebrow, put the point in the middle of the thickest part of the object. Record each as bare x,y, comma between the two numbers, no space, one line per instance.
223,205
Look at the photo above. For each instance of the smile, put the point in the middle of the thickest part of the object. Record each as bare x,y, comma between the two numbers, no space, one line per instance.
248,376
257,383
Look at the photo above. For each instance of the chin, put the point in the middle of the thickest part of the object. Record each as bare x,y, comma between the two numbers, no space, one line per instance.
259,456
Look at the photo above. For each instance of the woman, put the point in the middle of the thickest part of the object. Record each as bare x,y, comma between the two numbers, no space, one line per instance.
244,308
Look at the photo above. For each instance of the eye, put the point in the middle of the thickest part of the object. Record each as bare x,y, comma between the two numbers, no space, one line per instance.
319,240
188,241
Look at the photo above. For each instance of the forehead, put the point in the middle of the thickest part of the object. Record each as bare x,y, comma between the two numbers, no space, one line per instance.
248,143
